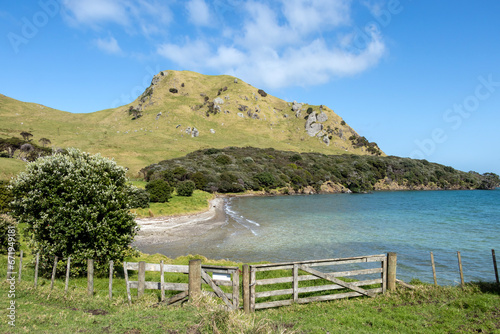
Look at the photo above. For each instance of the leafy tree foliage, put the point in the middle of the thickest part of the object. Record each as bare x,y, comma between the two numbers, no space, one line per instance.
185,188
265,179
139,198
75,204
199,180
159,191
235,169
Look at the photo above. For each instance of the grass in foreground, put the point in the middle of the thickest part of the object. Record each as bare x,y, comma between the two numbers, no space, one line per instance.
428,309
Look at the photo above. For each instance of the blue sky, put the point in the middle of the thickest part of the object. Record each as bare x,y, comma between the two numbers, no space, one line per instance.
420,78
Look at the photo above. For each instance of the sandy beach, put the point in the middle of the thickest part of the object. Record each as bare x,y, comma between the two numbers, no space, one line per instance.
179,228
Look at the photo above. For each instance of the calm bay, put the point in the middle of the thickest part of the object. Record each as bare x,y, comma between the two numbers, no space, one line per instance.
410,223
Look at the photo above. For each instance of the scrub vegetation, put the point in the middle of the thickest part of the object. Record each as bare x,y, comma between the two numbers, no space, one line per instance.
234,170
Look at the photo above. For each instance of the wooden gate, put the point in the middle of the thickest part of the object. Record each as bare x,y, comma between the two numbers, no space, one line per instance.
303,284
197,274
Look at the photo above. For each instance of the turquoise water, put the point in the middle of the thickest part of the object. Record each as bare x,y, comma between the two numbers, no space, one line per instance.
412,224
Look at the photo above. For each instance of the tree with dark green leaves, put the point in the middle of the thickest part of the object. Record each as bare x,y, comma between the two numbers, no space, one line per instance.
186,188
159,191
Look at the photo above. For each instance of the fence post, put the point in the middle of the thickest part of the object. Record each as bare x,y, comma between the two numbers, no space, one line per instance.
111,263
246,289
495,265
236,289
141,279
90,277
194,285
253,282
460,268
384,275
20,266
67,275
162,280
127,285
295,273
433,269
392,259
9,270
53,273
36,269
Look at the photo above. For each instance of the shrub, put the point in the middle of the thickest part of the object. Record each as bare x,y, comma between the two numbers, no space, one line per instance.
159,191
186,188
76,205
199,180
295,157
139,198
265,179
8,228
223,159
212,151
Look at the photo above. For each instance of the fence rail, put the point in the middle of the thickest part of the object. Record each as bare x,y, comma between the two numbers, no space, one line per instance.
262,286
314,281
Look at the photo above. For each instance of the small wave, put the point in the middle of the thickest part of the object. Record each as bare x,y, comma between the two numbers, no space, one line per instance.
241,220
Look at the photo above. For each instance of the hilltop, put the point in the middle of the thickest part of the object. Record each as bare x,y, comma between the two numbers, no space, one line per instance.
181,112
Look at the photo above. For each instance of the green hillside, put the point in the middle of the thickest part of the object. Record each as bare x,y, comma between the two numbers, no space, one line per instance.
137,135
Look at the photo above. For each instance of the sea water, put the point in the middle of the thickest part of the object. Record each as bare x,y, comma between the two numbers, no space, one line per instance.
410,223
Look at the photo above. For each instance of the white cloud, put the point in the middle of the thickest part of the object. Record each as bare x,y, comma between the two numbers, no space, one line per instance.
274,44
144,16
94,12
108,45
199,12
299,42
307,16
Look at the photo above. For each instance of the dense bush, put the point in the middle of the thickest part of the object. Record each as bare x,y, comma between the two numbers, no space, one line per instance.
223,159
139,198
77,205
265,179
7,238
253,168
159,191
186,188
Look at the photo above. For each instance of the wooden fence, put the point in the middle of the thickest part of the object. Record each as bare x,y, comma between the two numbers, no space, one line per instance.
302,279
263,285
198,274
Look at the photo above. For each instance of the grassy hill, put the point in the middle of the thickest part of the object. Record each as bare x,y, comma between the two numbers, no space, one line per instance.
247,117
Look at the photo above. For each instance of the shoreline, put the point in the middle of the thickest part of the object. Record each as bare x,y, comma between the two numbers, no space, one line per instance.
180,227
183,228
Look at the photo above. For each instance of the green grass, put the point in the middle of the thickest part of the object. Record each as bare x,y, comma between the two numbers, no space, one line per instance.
177,205
10,168
428,309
